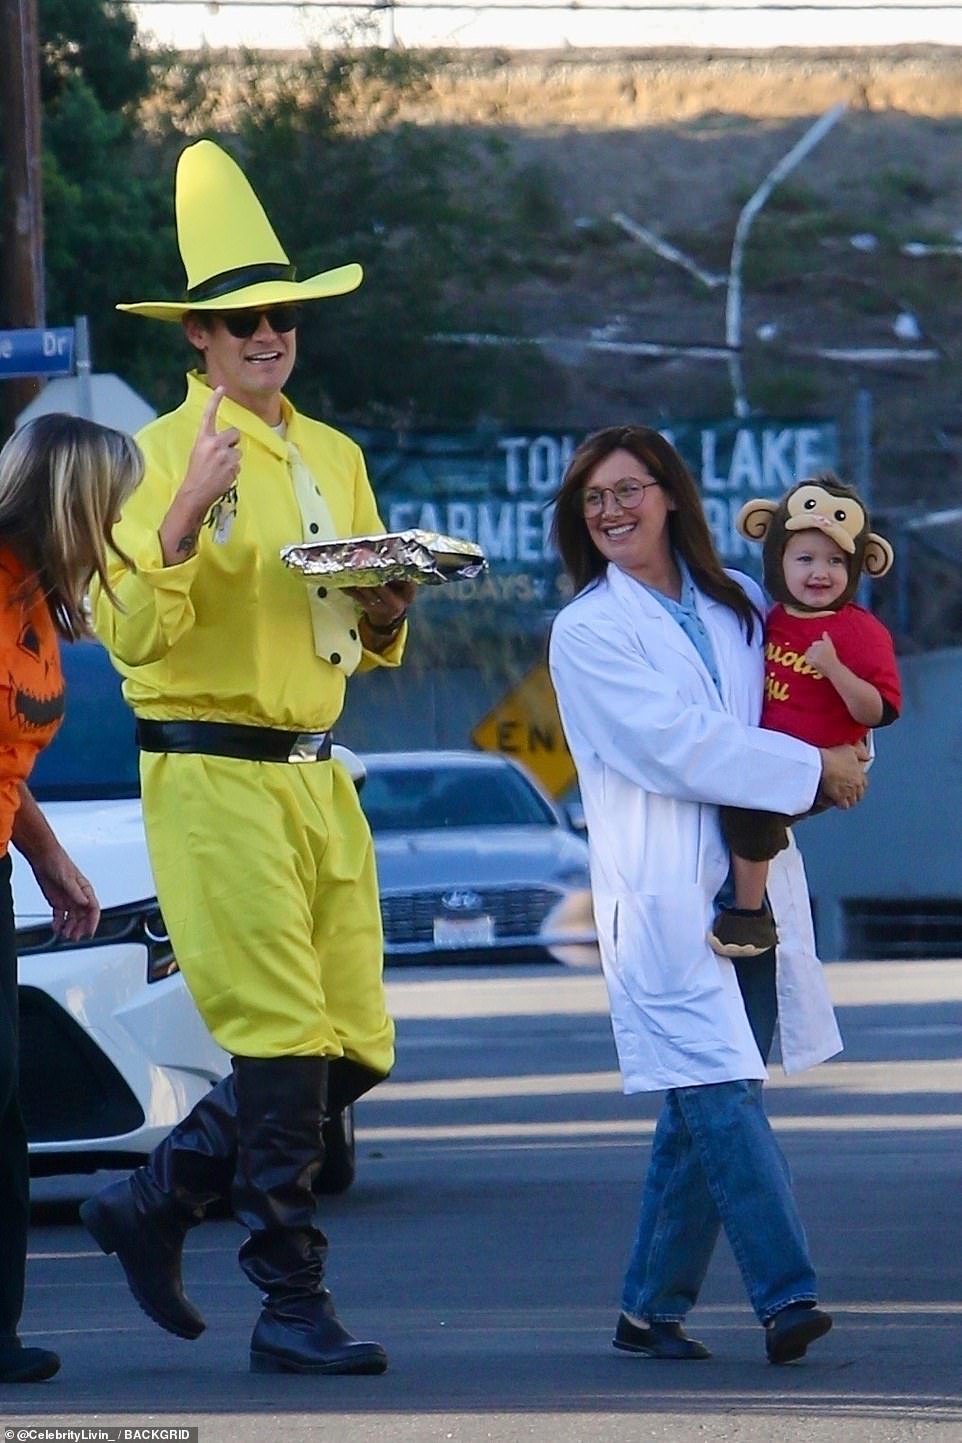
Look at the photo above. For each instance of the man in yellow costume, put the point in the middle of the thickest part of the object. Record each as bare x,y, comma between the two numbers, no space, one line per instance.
236,669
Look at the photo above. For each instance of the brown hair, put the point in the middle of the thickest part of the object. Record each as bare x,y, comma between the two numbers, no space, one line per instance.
63,481
688,532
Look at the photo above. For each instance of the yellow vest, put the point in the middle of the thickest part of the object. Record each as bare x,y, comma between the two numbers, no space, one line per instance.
229,634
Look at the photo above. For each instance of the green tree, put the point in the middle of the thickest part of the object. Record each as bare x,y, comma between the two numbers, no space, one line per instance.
430,214
433,215
108,227
94,41
109,232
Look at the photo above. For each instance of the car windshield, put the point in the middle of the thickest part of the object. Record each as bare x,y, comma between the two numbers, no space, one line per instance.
93,757
396,800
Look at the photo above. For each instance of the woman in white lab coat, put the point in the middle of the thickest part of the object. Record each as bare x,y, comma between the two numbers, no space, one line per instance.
658,669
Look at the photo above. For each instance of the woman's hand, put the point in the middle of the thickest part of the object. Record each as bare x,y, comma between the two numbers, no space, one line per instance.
76,910
72,899
843,776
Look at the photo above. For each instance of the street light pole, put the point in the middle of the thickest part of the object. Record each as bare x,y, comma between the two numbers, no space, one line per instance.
22,298
733,304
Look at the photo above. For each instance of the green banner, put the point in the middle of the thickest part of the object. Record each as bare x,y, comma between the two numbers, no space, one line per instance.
495,488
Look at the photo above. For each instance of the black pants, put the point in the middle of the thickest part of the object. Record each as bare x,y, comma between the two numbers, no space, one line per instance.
14,1165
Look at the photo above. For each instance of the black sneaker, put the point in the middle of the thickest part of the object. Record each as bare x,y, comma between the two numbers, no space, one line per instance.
738,932
789,1333
658,1340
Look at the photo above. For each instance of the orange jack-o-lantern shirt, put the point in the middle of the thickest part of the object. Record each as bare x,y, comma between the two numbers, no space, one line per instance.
31,684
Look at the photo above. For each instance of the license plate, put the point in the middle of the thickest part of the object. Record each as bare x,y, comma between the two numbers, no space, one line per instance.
463,931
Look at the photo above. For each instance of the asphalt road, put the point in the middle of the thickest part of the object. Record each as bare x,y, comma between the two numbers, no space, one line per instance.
484,1240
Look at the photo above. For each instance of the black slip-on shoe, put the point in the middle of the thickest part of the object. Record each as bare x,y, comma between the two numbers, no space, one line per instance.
658,1340
26,1365
789,1333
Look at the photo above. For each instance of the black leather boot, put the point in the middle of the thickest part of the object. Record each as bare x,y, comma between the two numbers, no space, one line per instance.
145,1217
280,1113
348,1080
25,1365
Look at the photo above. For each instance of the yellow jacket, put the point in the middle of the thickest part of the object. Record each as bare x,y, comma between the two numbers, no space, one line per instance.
227,635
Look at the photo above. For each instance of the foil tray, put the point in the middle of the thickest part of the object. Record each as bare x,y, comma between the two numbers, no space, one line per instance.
424,557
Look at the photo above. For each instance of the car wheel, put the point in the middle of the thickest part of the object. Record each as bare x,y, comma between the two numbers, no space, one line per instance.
337,1170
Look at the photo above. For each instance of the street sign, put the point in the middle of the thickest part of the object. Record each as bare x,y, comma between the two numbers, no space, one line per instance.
41,351
525,724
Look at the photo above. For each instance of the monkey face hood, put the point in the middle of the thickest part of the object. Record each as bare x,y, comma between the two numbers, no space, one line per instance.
819,503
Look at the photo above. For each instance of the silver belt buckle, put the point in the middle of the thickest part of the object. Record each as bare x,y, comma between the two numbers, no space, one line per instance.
307,747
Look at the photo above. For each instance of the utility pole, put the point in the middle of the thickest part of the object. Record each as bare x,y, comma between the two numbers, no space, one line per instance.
22,298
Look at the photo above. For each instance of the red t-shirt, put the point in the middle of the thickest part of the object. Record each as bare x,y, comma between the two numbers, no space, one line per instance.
798,699
31,685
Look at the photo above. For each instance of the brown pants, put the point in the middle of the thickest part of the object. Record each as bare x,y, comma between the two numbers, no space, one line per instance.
756,836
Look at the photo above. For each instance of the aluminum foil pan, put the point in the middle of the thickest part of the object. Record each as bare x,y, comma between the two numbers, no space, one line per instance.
420,556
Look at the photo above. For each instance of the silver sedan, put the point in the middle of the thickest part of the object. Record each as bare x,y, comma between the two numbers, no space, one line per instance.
476,863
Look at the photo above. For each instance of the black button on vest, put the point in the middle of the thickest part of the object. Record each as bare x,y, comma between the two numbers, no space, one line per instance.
313,528
335,658
322,592
352,634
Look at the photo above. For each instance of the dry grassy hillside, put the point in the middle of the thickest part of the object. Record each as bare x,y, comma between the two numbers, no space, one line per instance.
606,90
678,142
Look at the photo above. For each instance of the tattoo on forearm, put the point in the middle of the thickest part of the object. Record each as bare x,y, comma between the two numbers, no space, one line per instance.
187,544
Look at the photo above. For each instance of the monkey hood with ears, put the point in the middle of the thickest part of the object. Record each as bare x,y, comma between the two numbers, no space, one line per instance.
819,503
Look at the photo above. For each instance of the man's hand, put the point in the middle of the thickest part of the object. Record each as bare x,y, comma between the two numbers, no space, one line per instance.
843,777
384,608
211,471
215,459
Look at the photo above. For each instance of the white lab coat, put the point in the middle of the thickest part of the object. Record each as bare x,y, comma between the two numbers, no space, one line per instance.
657,751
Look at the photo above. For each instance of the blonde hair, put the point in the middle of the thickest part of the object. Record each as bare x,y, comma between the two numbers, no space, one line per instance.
63,481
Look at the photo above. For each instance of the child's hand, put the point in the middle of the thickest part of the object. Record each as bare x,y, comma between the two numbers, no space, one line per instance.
822,654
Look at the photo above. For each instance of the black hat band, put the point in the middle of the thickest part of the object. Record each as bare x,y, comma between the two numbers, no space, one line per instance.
238,279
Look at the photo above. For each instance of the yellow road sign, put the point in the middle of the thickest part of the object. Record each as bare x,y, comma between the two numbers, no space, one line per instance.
525,724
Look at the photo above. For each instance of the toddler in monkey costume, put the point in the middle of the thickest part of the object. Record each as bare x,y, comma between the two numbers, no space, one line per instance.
830,669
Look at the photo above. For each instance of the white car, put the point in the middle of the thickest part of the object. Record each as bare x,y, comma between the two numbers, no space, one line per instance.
113,1050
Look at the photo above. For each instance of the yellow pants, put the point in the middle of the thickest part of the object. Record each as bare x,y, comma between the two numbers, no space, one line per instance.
265,875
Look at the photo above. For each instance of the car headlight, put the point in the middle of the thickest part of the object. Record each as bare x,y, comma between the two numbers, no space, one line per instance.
138,922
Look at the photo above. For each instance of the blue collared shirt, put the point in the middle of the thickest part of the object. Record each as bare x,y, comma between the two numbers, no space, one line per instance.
686,615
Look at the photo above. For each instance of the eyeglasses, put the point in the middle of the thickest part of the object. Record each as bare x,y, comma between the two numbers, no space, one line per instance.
243,324
628,493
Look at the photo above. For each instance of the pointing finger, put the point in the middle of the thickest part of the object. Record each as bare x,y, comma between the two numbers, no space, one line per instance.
209,418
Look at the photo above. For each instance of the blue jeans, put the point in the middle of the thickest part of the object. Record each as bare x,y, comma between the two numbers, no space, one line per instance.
716,1162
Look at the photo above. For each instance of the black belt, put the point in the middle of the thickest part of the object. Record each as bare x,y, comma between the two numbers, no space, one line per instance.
228,739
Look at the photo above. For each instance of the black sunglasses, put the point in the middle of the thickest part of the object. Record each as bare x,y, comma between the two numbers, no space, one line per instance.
243,324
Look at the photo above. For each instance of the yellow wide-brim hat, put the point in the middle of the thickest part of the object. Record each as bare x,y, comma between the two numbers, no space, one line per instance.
232,257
